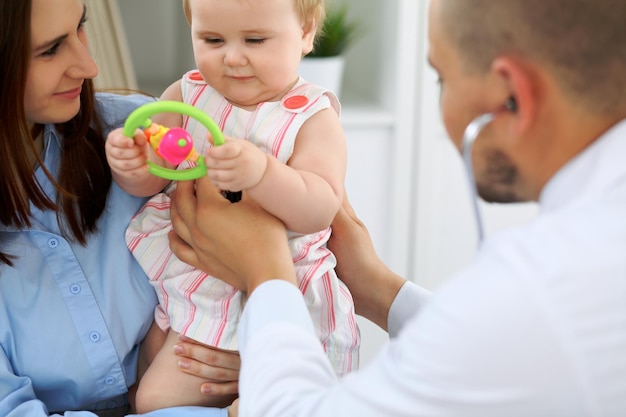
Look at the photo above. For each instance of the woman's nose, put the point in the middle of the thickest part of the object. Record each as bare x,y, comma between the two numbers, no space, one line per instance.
83,64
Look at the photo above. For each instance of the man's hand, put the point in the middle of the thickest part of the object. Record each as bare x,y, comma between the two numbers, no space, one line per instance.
372,284
239,243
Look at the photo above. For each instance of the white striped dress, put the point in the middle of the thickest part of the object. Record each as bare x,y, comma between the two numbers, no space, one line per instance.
205,308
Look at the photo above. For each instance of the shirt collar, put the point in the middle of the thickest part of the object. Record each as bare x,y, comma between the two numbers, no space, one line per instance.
590,173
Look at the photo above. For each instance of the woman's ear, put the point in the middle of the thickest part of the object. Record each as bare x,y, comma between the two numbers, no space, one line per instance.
309,30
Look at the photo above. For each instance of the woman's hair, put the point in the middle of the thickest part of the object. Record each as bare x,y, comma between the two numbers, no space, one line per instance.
308,10
84,177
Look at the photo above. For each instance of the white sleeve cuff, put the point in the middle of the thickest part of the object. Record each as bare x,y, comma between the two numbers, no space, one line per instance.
275,301
407,303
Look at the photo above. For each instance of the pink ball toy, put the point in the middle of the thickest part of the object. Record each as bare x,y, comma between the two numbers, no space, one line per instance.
175,145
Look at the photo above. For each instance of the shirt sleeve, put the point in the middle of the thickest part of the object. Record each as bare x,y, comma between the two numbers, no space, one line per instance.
407,303
470,352
185,412
19,400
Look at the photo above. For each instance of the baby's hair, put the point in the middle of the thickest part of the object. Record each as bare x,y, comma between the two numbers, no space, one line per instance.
308,10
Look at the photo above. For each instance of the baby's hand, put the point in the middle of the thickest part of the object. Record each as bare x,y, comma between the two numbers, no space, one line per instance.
127,157
236,165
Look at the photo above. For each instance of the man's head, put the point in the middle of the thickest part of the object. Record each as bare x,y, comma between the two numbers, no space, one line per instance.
555,58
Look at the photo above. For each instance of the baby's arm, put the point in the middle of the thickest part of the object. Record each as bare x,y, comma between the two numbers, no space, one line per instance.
307,192
128,157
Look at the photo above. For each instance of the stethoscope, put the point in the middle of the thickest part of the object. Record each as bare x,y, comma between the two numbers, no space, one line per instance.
469,137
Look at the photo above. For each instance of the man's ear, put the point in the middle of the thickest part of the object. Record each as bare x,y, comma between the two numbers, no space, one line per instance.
308,36
519,83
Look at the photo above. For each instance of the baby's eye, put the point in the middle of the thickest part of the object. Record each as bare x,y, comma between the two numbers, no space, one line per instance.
214,41
255,40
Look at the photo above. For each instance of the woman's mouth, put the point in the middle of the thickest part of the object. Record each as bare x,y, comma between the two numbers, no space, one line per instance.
70,94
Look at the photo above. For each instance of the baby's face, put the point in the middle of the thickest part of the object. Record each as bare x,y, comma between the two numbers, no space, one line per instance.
249,51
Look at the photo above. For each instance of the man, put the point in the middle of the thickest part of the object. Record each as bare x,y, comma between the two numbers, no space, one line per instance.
536,324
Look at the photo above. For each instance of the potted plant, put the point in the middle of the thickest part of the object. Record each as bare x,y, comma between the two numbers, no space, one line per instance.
325,64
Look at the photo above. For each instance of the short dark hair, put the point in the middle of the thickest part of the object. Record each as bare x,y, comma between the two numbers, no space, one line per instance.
583,42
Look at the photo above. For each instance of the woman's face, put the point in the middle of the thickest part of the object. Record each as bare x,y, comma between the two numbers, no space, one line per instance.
59,62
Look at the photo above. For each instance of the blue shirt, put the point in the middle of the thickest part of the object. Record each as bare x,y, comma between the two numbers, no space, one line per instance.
72,316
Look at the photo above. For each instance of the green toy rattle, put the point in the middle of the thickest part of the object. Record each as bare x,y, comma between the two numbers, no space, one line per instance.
175,145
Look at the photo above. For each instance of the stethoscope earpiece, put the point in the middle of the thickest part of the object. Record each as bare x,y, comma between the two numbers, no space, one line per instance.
511,105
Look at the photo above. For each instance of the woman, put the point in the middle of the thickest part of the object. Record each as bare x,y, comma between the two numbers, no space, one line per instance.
74,305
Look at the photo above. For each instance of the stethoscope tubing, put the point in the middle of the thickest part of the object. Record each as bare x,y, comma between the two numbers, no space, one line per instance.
469,137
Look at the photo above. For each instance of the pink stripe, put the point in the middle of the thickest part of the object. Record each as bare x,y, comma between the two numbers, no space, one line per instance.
352,320
280,136
225,308
157,205
188,293
310,273
306,249
197,93
166,297
224,116
164,262
332,323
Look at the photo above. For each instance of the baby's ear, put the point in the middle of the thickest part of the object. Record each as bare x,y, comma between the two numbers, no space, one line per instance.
309,30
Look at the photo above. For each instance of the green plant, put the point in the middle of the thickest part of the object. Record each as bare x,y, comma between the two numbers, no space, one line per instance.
337,34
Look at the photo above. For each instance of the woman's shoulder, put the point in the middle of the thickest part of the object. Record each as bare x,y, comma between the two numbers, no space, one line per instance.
114,108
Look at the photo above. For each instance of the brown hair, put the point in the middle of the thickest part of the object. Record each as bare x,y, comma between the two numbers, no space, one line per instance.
308,10
84,177
582,42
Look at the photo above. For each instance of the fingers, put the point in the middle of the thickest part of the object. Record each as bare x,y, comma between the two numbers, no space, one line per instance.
208,195
181,249
196,213
220,388
236,165
126,154
140,138
228,359
219,367
347,211
183,209
233,410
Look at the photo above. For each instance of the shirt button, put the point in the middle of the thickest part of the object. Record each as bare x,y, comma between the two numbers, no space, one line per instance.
75,289
295,102
196,76
53,243
109,380
94,337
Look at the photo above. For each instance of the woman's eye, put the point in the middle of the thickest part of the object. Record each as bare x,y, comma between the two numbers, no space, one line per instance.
52,51
82,23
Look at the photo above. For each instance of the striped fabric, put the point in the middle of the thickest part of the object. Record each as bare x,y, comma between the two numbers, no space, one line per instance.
205,308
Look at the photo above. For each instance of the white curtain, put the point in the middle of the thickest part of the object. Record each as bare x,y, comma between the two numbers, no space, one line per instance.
109,46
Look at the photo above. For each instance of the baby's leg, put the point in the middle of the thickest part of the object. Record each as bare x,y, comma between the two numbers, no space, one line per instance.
165,385
148,349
